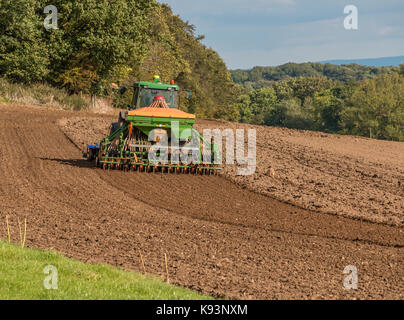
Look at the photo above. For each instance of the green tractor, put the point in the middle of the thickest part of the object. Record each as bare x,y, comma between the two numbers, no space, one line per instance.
155,136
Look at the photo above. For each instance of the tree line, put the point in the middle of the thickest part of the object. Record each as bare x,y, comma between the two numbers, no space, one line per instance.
371,108
259,77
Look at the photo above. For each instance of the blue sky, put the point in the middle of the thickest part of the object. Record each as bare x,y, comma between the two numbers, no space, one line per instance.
273,32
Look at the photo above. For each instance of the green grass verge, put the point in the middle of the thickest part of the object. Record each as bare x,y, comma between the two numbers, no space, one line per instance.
22,277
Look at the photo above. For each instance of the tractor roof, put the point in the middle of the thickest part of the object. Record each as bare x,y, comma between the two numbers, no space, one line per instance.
156,85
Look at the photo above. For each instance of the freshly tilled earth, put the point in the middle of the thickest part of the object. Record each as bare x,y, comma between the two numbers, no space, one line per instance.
343,175
220,236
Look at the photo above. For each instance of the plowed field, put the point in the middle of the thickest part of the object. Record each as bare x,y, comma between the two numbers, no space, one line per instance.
225,235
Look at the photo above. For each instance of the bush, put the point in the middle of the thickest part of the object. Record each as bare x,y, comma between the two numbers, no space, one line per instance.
75,102
290,114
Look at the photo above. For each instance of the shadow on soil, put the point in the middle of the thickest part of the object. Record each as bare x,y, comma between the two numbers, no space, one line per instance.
81,163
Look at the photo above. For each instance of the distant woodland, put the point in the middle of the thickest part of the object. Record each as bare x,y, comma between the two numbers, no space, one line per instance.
350,99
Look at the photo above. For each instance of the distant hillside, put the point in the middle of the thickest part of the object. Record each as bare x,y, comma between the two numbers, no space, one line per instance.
259,77
376,62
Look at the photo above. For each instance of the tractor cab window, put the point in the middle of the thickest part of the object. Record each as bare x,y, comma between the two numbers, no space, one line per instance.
147,95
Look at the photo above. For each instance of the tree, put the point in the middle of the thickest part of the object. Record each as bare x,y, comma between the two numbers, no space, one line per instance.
327,109
253,106
201,70
244,107
376,109
290,114
402,69
101,37
23,54
304,87
262,101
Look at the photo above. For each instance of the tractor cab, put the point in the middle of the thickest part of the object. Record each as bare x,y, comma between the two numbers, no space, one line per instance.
145,93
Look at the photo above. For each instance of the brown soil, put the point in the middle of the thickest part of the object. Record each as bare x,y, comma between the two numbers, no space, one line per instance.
350,176
219,237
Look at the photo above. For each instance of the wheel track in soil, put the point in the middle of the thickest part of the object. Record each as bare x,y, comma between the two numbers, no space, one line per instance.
220,239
